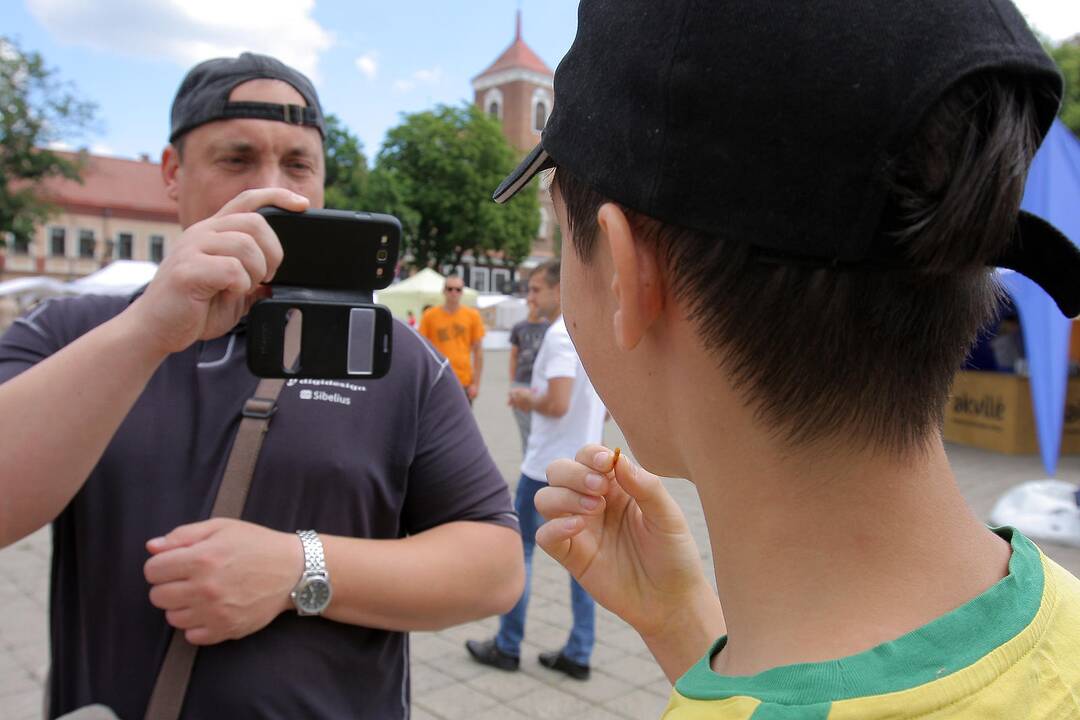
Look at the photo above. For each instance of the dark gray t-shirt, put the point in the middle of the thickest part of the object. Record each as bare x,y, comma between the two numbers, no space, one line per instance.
527,336
376,459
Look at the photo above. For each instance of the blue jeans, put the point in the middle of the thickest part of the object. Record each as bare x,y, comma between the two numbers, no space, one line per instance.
512,625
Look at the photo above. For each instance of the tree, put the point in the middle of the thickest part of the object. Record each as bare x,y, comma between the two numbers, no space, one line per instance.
436,172
1067,57
36,109
346,167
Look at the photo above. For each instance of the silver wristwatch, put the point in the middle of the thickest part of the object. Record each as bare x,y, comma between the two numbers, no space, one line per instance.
312,594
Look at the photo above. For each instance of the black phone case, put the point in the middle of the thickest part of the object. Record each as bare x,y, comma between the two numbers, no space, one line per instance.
325,340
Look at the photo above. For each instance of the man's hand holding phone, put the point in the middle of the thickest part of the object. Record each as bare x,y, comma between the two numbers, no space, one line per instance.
214,275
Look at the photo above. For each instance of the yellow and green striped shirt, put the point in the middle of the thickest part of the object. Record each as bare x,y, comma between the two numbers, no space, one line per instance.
1012,652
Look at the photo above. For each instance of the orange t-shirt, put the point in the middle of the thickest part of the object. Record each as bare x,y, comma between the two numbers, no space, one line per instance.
454,336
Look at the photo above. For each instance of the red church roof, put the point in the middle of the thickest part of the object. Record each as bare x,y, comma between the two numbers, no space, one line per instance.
131,188
518,56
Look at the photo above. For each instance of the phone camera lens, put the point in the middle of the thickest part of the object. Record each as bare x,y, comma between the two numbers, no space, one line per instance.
382,255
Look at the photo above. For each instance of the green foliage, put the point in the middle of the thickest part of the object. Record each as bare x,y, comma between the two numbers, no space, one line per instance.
1067,56
35,109
436,172
346,167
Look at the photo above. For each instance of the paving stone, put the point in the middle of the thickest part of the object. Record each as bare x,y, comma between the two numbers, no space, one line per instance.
24,705
419,713
455,702
16,681
635,669
506,686
599,688
501,712
425,678
551,703
639,705
429,646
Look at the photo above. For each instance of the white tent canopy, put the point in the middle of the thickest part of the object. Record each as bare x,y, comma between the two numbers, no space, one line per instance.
423,288
120,277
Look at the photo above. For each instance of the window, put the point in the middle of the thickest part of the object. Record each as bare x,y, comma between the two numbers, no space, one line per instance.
541,116
157,248
19,246
500,281
545,223
58,241
86,243
480,277
124,242
493,102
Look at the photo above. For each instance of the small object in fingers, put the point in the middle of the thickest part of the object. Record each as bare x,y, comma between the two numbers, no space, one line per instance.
614,460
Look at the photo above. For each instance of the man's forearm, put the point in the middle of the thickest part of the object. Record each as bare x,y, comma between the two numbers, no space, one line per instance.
451,574
57,417
478,364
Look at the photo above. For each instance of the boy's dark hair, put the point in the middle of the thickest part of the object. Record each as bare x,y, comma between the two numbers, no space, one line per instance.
550,270
861,353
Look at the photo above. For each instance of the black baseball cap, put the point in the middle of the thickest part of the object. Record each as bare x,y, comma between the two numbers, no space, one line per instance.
204,94
776,121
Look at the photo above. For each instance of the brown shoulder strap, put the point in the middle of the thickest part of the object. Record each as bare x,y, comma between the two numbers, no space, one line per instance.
167,698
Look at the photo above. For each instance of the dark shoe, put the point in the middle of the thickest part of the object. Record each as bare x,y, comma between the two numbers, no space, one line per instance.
558,661
486,653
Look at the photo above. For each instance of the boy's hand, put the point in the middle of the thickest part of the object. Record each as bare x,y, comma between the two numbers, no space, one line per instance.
624,538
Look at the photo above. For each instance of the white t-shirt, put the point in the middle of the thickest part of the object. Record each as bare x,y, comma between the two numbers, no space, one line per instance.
551,438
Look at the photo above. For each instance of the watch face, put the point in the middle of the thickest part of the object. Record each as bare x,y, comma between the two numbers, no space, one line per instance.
314,596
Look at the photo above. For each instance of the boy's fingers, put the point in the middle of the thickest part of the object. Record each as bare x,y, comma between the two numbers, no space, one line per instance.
555,502
557,538
577,477
595,457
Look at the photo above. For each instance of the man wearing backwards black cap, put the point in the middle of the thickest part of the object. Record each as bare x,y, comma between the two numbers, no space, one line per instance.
118,416
786,216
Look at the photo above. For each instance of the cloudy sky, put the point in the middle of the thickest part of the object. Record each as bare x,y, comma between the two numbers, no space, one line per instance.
371,59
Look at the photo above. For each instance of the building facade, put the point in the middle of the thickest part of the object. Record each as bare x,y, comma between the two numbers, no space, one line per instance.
119,212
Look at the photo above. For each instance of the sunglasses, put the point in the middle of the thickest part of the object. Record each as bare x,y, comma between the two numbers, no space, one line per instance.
453,289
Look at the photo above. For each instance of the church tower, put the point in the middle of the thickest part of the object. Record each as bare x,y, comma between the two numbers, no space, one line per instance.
518,90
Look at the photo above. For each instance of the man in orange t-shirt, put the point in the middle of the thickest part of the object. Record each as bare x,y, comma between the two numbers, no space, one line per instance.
457,332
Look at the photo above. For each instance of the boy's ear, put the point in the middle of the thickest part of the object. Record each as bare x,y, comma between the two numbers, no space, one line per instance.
170,167
639,293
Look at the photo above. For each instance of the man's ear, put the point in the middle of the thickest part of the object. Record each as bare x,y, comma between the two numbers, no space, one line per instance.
170,168
636,283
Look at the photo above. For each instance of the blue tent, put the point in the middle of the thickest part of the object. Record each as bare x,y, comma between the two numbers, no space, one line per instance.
1052,193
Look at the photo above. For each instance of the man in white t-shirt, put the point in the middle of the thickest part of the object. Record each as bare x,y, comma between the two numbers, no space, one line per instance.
566,413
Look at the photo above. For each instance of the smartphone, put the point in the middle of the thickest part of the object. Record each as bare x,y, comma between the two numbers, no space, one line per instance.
338,340
335,249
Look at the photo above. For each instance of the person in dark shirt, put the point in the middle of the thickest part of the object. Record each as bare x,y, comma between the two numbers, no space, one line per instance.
525,339
119,414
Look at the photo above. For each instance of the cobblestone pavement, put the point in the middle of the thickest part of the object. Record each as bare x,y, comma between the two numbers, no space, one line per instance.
446,684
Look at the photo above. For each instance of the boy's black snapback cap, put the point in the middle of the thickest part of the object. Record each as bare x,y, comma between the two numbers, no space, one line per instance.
204,94
776,121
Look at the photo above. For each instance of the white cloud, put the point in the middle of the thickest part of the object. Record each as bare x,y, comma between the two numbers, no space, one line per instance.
103,149
188,31
1059,19
420,77
60,145
367,65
